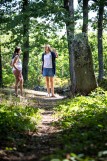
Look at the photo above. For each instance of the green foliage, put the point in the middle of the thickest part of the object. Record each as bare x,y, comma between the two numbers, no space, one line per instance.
83,109
74,157
36,50
17,119
103,83
94,49
84,124
35,77
45,26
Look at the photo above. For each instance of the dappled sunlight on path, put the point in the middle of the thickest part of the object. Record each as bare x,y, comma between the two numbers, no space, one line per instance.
43,142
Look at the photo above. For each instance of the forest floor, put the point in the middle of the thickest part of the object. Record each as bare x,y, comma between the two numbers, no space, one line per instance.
37,146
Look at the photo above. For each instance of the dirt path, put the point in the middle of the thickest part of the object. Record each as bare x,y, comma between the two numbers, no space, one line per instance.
46,127
43,143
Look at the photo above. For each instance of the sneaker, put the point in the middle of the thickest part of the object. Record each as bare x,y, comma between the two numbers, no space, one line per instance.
48,95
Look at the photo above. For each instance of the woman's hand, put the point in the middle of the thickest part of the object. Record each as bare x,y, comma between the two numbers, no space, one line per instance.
56,55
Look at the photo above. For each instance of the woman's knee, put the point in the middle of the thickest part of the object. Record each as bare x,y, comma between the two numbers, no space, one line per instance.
17,81
47,79
51,79
21,82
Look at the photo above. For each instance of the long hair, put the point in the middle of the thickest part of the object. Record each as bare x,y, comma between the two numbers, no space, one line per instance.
49,47
16,51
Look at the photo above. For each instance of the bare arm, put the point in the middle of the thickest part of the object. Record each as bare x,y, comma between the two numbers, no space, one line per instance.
15,61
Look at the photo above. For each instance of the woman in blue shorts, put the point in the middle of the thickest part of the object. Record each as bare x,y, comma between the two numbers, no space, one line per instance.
48,68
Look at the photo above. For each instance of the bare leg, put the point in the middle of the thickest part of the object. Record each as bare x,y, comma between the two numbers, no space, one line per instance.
52,85
47,85
21,87
16,87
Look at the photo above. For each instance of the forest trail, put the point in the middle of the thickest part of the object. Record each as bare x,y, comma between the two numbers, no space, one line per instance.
45,141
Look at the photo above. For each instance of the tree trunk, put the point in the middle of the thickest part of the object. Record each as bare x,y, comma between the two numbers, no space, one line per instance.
25,39
0,67
85,16
100,46
69,6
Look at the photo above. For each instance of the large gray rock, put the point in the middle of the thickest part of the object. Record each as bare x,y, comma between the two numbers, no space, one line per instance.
83,65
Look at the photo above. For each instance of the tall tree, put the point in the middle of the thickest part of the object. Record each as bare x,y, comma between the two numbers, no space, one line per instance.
1,79
85,16
25,11
2,30
85,10
100,40
69,6
99,7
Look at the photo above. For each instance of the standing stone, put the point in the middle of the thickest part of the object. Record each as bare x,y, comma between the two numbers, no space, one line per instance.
83,65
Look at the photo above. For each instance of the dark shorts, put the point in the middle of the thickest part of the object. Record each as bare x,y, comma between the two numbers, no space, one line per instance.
49,72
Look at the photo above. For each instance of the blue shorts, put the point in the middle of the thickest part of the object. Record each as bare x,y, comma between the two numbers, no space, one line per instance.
49,72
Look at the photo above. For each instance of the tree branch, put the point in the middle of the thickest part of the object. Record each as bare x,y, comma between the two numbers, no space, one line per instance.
95,0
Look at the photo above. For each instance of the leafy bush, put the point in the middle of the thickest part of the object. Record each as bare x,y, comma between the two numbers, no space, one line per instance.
84,124
17,119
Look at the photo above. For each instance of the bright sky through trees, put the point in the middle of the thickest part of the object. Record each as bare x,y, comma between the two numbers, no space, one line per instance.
75,4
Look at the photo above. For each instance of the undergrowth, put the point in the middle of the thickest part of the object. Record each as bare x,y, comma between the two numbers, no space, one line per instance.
83,121
17,121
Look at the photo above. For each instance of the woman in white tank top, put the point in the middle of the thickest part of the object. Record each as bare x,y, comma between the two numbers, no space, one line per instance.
17,70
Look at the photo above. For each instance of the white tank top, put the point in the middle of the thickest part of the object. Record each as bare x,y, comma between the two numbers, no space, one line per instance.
48,60
18,64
